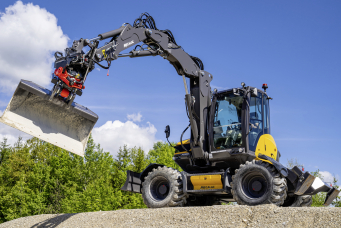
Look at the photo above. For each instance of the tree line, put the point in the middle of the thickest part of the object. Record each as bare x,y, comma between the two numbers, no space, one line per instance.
37,177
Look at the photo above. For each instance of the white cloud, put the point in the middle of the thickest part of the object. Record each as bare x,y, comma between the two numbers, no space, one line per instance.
115,134
327,176
135,117
29,36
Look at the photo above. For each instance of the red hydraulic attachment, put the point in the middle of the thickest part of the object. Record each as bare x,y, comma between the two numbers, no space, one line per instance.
64,93
63,76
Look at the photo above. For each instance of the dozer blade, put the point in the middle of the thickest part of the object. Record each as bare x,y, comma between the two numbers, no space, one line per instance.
31,111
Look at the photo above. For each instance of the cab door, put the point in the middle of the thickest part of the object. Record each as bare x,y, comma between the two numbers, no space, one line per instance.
226,122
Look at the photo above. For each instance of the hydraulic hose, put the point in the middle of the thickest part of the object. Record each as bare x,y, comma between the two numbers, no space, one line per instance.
181,138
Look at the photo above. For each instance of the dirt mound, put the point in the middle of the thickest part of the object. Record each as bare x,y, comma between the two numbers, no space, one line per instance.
215,216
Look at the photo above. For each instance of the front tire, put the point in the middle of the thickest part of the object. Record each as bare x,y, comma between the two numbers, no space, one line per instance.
258,182
163,188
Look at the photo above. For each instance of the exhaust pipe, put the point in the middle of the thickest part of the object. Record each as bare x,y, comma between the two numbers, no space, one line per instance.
53,121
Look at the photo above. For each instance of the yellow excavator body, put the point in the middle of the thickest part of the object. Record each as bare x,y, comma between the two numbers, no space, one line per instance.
266,145
203,182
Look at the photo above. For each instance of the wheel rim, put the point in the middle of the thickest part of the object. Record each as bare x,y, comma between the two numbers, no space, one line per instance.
254,185
159,188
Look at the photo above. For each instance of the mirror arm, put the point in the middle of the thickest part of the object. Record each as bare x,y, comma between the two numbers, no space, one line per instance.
169,143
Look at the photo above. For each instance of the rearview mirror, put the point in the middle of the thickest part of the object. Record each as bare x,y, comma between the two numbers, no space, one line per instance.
167,131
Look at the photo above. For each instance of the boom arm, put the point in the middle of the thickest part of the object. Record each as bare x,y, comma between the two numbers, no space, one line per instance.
159,42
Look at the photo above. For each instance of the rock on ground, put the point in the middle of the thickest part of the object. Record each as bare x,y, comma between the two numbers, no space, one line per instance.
215,216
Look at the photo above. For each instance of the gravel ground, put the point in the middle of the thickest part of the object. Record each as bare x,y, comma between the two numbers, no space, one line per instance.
215,216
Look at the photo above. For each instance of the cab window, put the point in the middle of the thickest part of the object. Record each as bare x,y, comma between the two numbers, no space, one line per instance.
256,121
266,114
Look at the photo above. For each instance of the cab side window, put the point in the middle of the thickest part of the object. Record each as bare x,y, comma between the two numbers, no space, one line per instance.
256,121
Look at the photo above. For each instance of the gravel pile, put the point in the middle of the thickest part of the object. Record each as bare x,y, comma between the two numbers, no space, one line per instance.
215,216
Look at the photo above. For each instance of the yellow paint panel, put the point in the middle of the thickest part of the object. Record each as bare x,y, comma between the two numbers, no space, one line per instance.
184,152
104,54
183,142
206,182
267,146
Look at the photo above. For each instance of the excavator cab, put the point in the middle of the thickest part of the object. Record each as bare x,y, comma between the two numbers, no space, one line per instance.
239,119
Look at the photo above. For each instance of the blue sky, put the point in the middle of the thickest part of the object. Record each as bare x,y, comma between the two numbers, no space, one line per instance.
293,46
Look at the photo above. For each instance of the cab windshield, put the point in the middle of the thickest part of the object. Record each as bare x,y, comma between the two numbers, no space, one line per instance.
227,122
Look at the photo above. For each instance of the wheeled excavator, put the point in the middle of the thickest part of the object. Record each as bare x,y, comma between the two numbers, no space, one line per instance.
230,155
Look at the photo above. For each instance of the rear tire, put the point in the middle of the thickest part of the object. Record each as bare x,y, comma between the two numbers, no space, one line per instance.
163,188
258,182
298,201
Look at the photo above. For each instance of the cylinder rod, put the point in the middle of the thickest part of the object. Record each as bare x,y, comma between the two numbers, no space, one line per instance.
96,38
183,77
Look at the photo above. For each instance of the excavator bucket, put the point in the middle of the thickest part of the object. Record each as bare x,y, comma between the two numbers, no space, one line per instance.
53,121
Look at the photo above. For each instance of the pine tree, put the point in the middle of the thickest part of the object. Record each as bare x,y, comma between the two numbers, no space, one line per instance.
4,150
